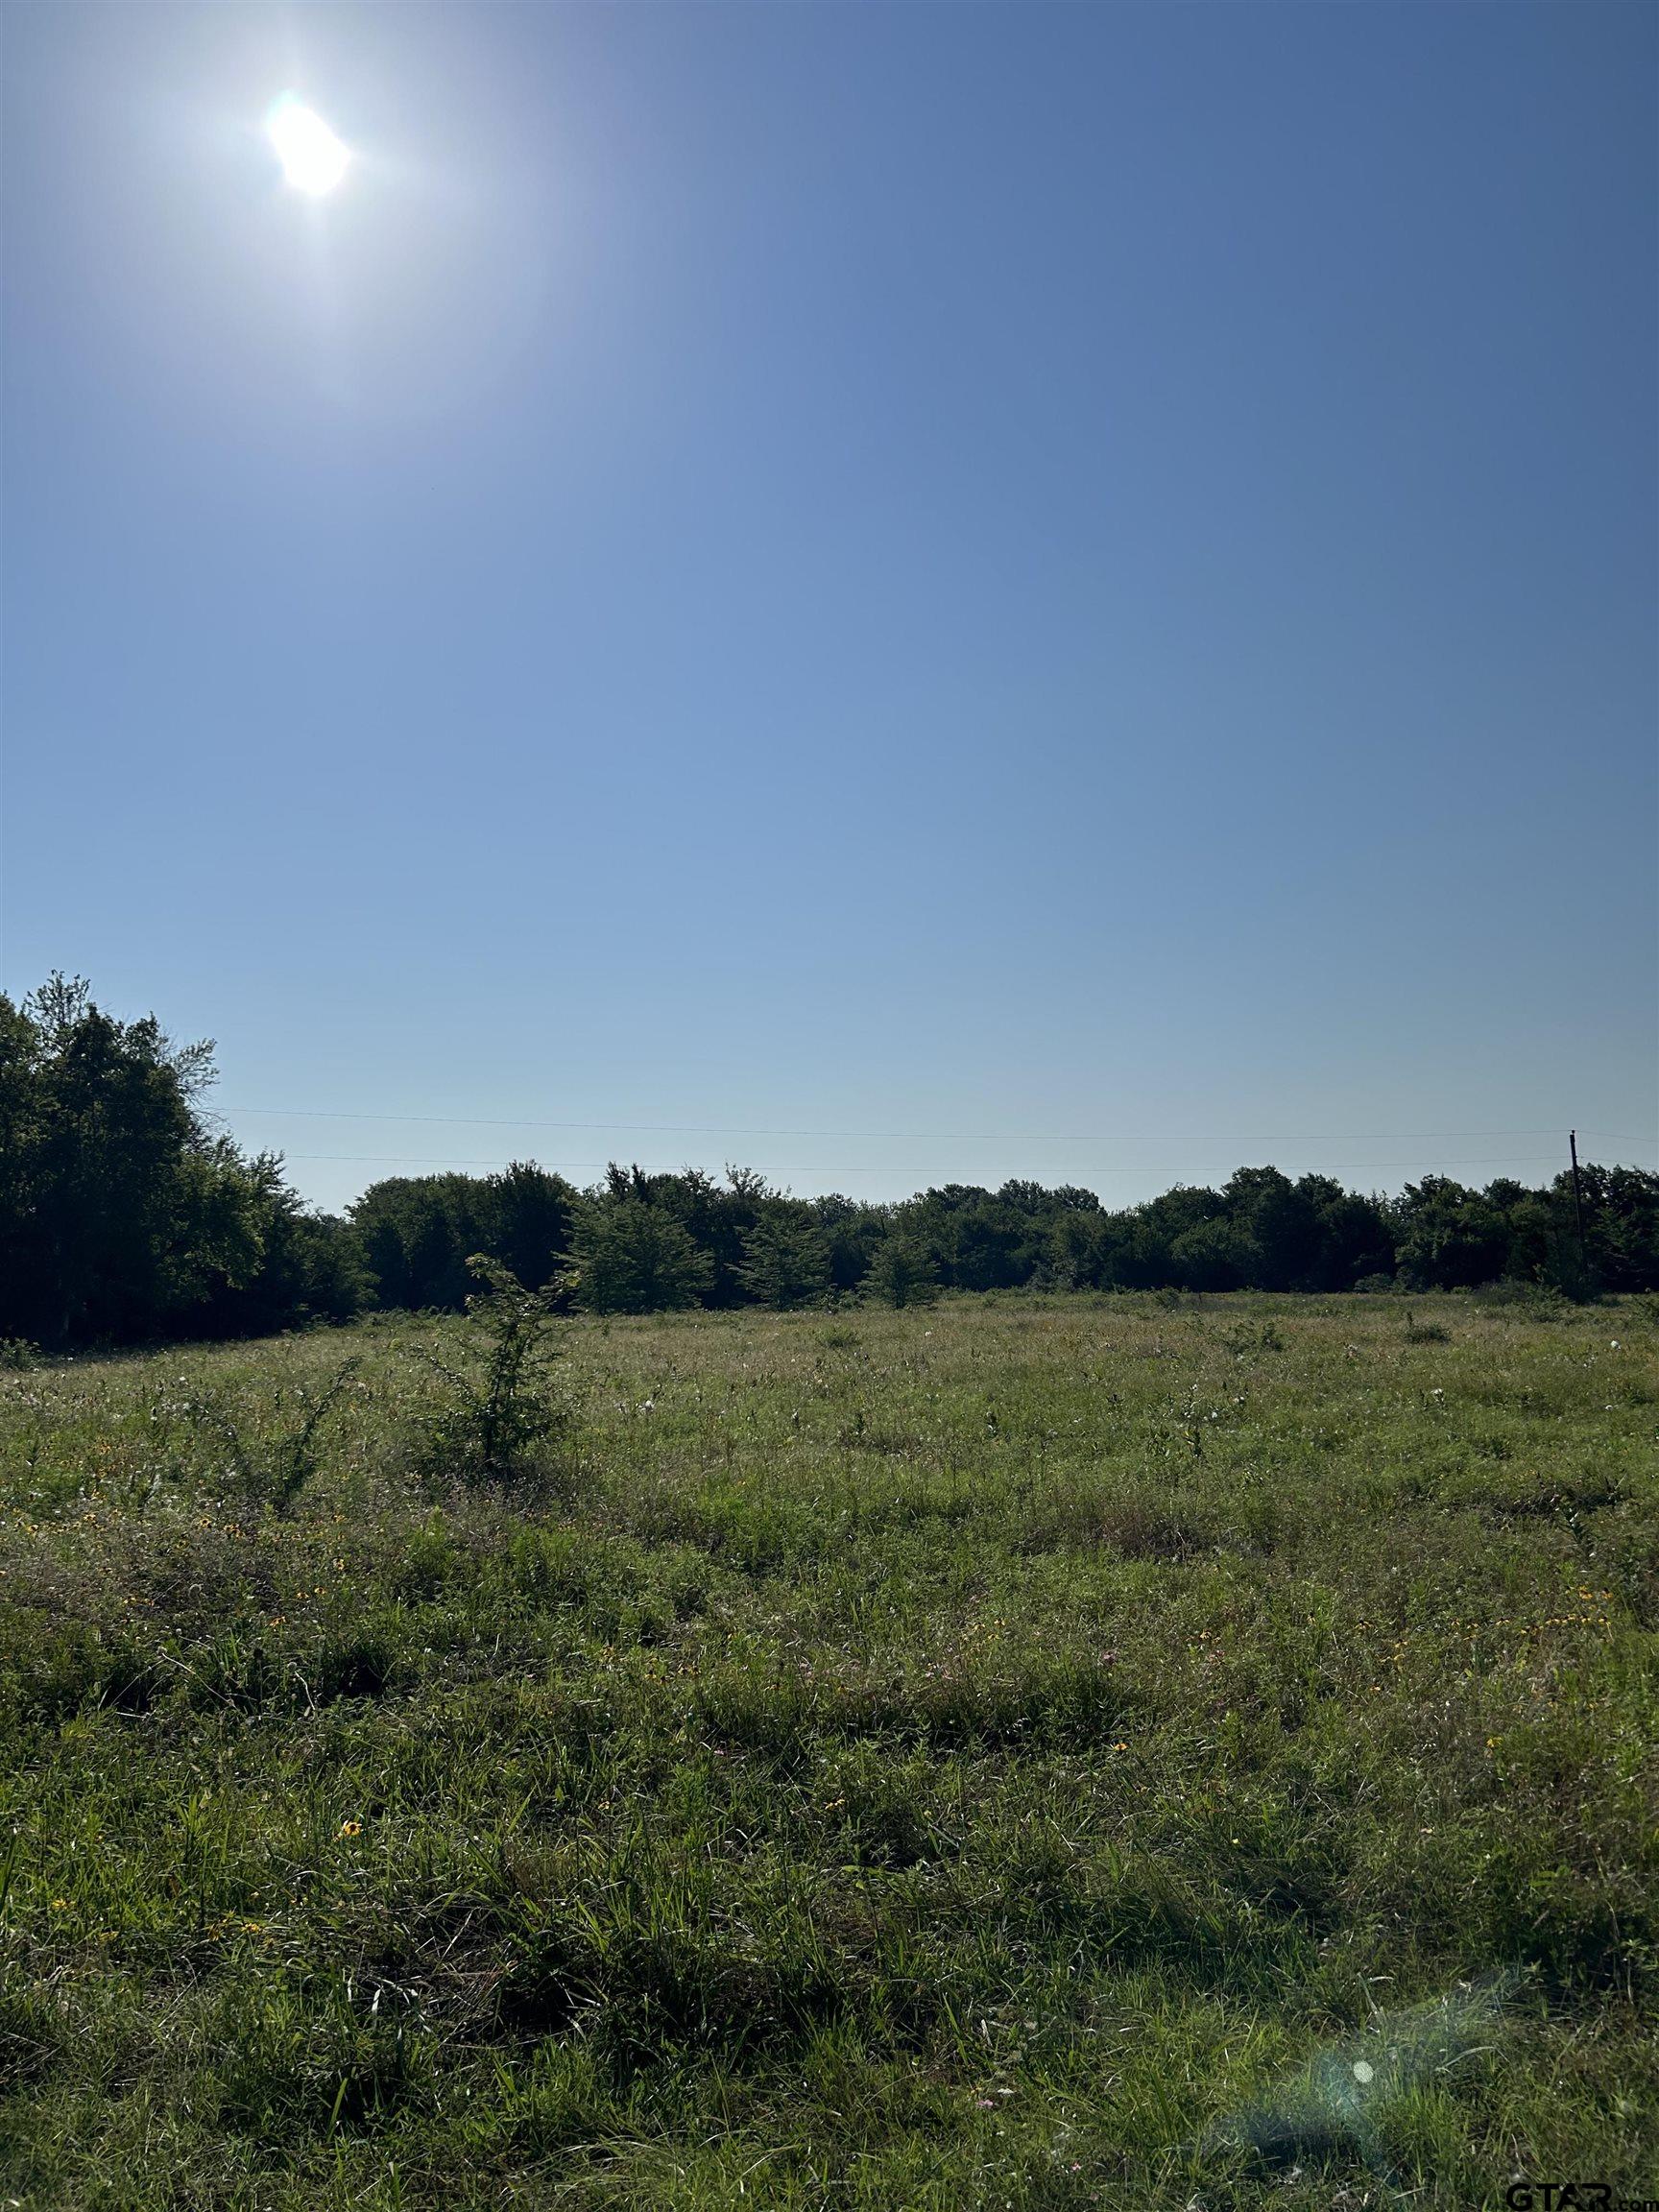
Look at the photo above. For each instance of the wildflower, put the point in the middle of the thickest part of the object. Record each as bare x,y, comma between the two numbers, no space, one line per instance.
350,1827
60,1904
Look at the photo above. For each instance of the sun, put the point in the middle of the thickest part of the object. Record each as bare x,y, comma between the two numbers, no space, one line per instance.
313,160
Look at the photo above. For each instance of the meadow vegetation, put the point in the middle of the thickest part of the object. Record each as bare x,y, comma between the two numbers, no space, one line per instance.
1006,1751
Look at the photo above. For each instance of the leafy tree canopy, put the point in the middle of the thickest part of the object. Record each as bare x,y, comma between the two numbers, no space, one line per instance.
125,1215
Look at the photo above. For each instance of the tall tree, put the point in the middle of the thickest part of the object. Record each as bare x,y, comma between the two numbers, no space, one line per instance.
121,1213
787,1257
630,1257
901,1273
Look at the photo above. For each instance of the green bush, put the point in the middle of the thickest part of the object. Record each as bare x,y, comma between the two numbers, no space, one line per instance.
498,1405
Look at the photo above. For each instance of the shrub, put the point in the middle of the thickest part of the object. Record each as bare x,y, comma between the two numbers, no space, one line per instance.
498,1410
1540,1300
294,1460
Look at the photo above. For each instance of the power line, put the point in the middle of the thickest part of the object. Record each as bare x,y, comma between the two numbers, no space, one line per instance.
886,1166
884,1135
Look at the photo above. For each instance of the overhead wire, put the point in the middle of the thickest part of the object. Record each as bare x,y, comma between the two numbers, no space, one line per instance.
891,1166
901,1136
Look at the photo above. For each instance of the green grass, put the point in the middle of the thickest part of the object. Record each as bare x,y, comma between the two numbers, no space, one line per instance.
890,1760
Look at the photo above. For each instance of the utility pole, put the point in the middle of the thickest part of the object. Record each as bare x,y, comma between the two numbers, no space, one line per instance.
1579,1204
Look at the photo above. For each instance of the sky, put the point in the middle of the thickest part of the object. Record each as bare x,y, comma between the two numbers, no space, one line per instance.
895,594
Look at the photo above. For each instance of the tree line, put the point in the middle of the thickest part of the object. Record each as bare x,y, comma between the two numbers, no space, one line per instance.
125,1217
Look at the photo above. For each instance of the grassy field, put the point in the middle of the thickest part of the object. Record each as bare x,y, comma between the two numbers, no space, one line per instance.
1027,1753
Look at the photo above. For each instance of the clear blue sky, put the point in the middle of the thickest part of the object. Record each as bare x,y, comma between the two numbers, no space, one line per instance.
977,580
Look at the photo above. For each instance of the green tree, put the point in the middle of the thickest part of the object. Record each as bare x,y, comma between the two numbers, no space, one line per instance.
420,1232
121,1213
1077,1246
1355,1239
978,1242
1209,1256
854,1234
786,1259
716,1216
310,1267
901,1273
1275,1240
1450,1238
528,1216
632,1256
1620,1224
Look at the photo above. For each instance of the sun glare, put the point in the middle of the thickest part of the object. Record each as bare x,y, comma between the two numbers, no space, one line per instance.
313,160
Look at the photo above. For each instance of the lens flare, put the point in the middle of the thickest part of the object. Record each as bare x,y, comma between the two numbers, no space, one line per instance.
313,160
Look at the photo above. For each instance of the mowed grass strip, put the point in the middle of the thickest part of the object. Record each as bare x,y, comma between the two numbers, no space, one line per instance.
927,1759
